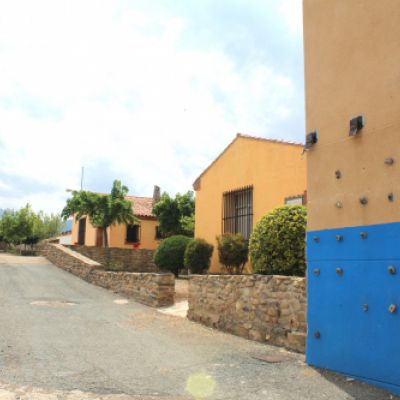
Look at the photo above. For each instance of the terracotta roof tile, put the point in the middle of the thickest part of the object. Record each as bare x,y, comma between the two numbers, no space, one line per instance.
142,206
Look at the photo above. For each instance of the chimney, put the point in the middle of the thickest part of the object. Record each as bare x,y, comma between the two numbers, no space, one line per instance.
156,194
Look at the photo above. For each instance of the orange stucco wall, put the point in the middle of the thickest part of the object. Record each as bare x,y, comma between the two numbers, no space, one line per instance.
117,234
276,171
352,59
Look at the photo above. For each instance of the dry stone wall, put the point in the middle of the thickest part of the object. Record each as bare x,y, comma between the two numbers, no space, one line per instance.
152,289
259,307
117,259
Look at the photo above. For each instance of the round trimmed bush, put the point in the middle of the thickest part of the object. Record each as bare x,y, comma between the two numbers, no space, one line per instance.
232,252
170,253
277,244
198,256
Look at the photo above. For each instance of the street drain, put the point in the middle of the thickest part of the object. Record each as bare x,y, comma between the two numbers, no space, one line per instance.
53,303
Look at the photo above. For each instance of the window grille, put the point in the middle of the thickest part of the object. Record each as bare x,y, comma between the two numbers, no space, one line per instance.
237,211
133,233
159,235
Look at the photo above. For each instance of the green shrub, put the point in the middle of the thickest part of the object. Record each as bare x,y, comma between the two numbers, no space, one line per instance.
232,252
198,256
277,244
170,253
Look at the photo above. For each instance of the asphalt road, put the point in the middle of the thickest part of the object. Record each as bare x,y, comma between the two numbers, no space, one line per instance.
62,338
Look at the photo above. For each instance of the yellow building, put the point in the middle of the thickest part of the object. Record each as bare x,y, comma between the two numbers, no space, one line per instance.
144,235
247,180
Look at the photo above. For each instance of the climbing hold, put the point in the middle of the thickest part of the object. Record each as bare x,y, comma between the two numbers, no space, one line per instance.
363,200
338,174
392,270
339,238
363,235
391,196
339,271
389,161
392,308
339,204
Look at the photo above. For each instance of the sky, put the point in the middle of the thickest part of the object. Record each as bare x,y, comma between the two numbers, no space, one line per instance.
148,92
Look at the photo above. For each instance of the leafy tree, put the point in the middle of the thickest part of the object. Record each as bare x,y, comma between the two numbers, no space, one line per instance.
17,226
27,227
232,252
103,210
8,226
198,256
170,253
49,225
277,244
176,215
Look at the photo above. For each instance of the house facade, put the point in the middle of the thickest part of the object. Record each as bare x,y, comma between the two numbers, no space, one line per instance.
144,234
247,180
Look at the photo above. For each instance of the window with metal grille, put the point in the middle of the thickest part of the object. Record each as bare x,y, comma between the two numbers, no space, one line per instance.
133,233
289,201
159,235
237,211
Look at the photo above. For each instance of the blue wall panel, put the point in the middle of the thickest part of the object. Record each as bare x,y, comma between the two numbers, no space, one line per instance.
350,327
381,242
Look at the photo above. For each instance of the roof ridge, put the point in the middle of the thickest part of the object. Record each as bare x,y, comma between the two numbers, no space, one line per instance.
245,136
139,197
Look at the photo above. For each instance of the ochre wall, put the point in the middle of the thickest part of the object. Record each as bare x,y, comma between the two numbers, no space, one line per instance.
352,67
117,235
90,234
276,171
147,235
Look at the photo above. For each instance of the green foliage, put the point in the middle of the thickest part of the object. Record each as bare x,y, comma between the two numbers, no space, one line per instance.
187,225
170,253
176,215
198,256
232,252
277,244
26,227
103,210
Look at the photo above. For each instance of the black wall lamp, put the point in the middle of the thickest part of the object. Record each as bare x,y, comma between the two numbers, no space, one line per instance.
311,139
356,124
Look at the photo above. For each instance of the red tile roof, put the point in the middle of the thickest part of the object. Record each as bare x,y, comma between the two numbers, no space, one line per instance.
142,206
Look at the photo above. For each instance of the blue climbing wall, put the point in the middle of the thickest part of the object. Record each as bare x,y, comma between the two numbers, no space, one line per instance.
354,291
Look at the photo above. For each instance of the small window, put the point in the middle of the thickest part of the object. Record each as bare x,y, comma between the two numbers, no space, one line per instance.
159,235
133,233
289,201
237,211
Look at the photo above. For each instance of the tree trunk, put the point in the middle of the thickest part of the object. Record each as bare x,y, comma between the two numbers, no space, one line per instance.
105,236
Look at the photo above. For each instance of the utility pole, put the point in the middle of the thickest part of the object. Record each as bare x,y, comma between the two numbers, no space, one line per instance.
82,173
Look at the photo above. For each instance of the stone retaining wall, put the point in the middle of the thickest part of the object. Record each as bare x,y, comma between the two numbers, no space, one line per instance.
259,307
116,259
152,289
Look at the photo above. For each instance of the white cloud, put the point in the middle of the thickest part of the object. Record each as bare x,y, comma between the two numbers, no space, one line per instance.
118,89
292,11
